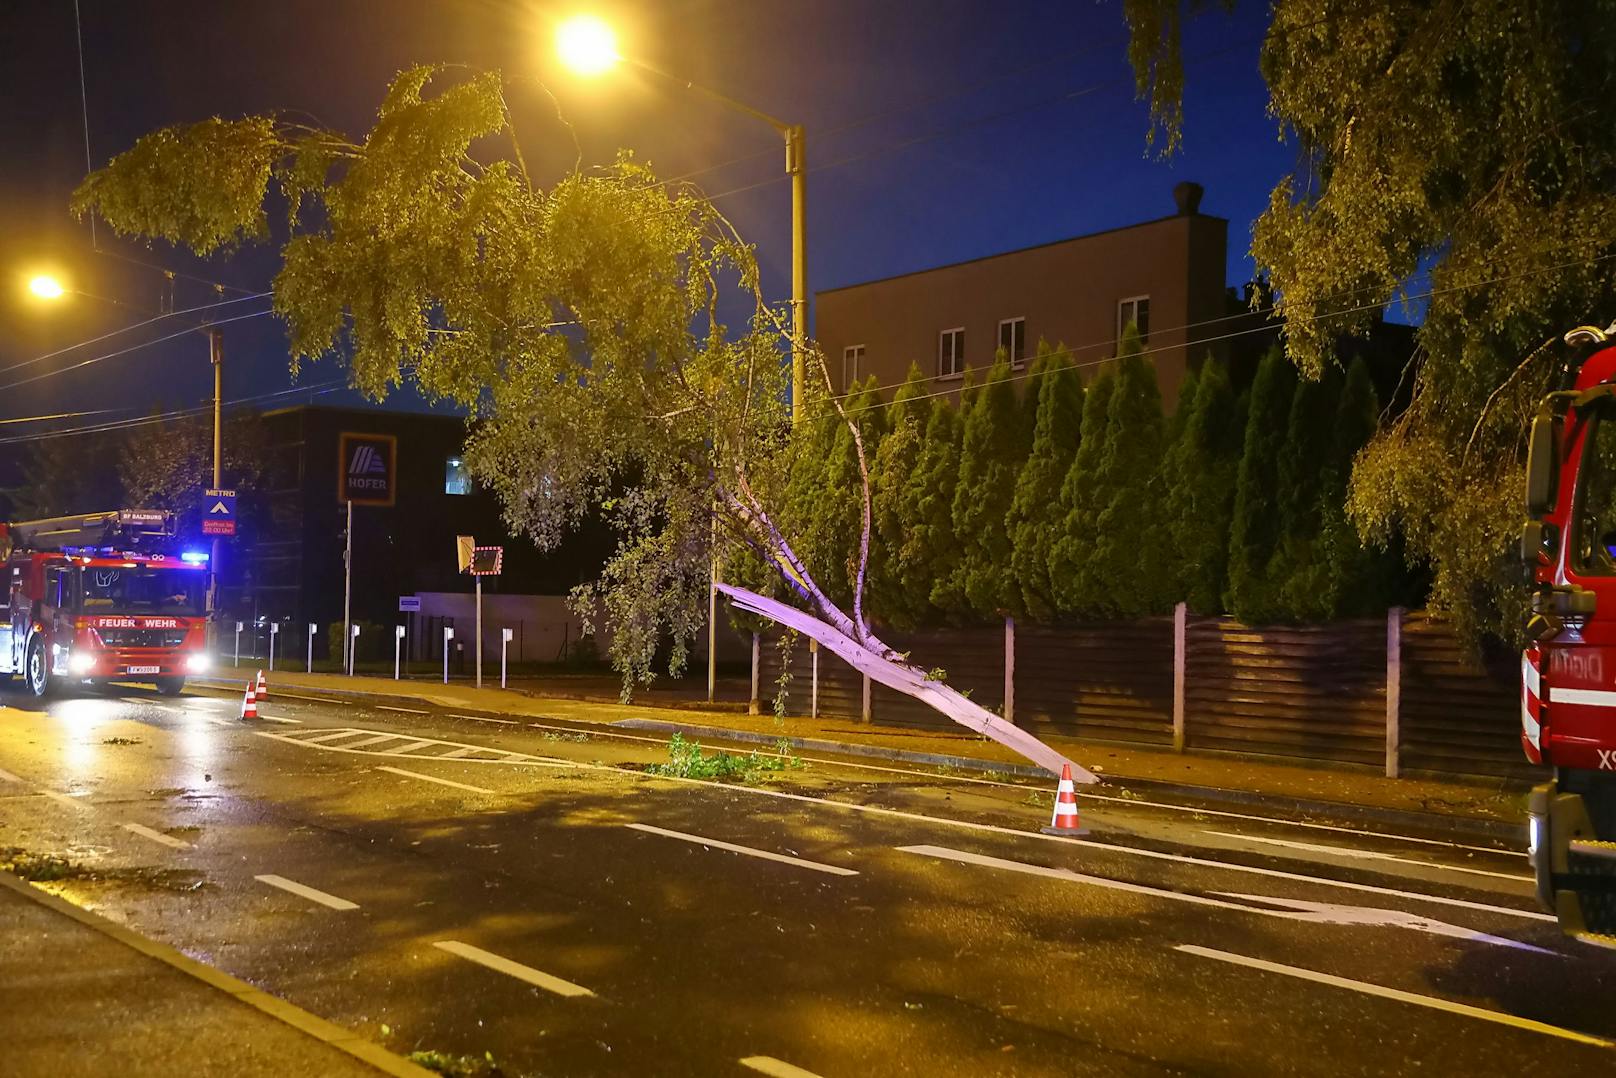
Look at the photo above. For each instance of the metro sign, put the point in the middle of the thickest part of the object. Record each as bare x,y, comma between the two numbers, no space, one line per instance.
219,516
367,468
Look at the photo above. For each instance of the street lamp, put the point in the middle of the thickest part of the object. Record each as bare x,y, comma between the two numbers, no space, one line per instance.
47,287
587,46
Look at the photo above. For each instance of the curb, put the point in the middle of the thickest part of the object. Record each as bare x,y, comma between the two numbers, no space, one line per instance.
1470,826
312,1025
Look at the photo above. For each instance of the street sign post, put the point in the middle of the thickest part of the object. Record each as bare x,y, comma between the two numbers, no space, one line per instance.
448,635
220,515
484,561
505,636
274,628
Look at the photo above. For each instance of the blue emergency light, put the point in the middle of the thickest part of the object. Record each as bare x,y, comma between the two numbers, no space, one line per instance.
194,557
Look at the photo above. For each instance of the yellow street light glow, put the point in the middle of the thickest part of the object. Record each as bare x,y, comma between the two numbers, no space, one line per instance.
586,45
46,287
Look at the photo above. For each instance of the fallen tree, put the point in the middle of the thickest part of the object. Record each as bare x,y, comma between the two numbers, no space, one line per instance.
583,326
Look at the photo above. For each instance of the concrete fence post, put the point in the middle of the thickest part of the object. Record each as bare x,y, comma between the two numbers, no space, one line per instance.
1180,649
754,707
813,662
1009,669
1394,690
865,712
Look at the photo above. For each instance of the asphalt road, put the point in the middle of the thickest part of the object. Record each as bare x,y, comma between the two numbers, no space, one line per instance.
490,888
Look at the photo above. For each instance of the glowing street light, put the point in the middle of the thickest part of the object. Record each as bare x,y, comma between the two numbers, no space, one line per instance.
586,45
46,287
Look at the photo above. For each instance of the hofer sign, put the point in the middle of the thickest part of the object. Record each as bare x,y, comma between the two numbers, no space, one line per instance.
367,468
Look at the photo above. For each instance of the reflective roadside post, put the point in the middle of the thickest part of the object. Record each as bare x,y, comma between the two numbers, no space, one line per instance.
313,628
274,629
238,643
398,645
448,635
353,647
505,638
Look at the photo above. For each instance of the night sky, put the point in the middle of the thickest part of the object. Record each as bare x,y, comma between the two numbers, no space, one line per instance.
937,131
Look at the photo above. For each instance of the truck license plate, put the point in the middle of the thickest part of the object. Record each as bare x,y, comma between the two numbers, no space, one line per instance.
144,670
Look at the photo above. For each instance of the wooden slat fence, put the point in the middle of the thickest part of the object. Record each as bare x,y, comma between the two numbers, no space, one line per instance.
1315,693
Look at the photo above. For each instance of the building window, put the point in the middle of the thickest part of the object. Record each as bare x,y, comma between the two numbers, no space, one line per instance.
455,478
852,365
1137,311
951,353
1013,340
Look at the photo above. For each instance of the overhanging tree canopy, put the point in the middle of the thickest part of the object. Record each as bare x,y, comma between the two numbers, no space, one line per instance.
579,324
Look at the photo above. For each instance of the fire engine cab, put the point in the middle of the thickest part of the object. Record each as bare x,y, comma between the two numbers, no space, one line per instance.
101,597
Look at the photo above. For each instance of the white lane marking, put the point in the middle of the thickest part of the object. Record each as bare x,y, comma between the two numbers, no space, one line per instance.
156,836
404,710
83,806
376,740
1369,855
312,894
1331,913
152,704
1586,697
537,978
456,754
480,718
1395,994
434,778
318,738
277,718
1132,802
1296,910
215,720
410,746
7,776
995,829
834,870
775,1068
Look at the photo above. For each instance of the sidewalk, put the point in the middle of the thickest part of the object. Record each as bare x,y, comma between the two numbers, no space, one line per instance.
1477,806
81,995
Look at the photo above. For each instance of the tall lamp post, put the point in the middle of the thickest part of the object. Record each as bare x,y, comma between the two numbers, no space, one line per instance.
50,288
588,46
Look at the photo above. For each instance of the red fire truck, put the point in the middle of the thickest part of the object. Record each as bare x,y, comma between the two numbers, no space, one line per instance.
101,597
1568,672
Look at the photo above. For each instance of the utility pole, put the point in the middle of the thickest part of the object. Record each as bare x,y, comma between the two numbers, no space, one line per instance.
347,589
479,581
216,357
797,168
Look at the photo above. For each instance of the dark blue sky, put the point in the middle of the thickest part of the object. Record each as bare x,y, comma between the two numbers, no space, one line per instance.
996,125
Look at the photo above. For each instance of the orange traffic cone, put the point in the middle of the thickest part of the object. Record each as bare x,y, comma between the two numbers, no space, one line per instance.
1064,822
263,687
249,704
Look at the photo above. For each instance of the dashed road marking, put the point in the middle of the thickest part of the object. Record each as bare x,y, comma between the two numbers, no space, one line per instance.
483,718
310,893
156,836
537,978
6,776
405,710
1397,994
434,778
277,718
215,720
834,870
775,1068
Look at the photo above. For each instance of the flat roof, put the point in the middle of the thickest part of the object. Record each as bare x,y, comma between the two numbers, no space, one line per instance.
1020,250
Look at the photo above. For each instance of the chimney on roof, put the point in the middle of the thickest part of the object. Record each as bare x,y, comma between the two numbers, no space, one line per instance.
1188,196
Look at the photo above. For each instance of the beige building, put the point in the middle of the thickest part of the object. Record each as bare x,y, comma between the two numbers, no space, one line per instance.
1167,275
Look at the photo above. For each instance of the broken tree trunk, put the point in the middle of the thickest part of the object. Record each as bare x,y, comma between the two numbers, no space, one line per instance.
908,680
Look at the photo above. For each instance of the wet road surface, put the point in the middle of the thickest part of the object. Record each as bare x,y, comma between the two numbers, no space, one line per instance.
482,887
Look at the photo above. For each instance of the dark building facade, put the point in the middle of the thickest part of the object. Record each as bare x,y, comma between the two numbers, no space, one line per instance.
288,565
1166,275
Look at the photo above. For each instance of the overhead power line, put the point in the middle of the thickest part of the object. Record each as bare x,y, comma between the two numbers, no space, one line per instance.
314,390
132,348
129,329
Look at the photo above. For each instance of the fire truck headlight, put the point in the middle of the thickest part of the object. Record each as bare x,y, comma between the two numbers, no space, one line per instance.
81,662
198,663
